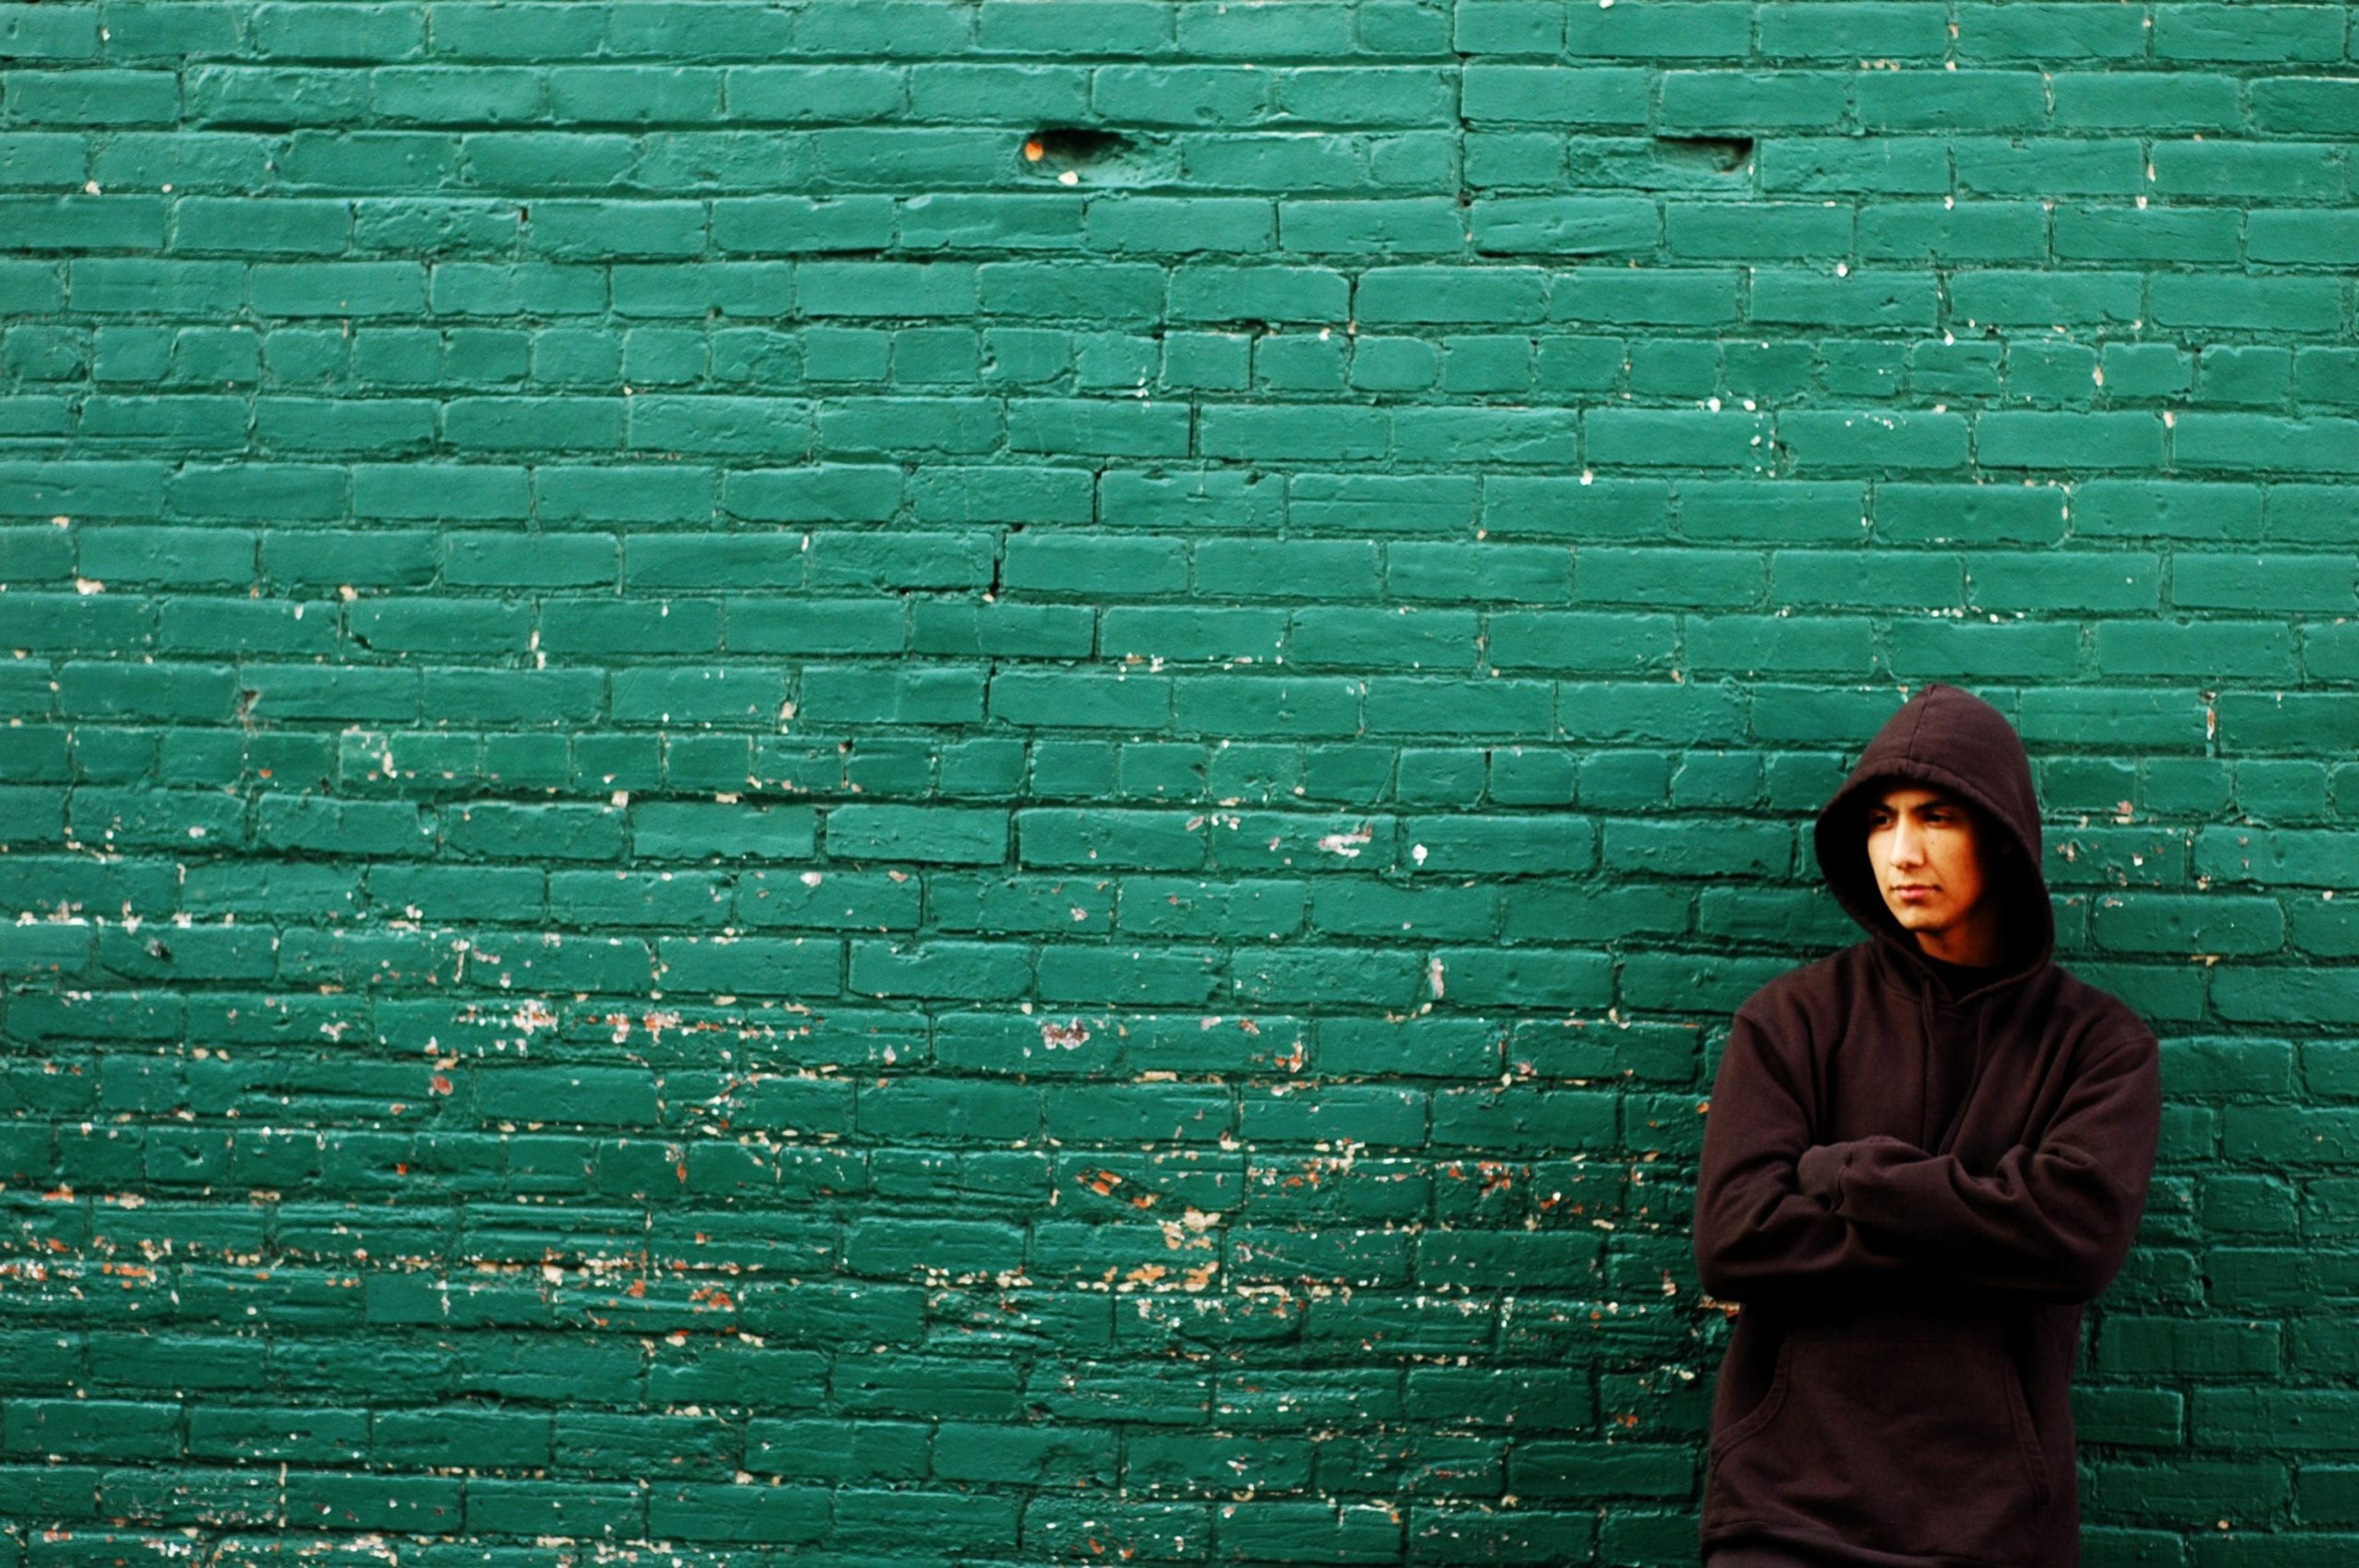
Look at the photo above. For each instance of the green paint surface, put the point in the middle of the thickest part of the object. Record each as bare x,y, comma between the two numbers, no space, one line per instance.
739,829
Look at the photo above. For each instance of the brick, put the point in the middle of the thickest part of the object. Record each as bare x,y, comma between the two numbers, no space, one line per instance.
93,98
2039,30
1401,227
2134,100
2133,233
33,34
1550,95
2034,168
2207,32
1439,706
1709,29
1721,231
1278,432
2297,1419
1751,101
2285,581
706,1511
1568,225
2187,648
1112,428
916,833
1853,29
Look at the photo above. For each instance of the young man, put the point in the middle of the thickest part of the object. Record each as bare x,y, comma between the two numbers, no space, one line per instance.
1924,1154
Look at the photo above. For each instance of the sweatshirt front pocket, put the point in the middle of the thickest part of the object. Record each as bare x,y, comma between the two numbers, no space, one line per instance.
1914,1445
1758,1418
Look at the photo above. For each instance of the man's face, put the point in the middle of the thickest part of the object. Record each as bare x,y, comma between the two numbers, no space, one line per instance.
1928,862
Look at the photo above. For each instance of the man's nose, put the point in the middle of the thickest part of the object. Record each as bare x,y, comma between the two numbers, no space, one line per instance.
1907,848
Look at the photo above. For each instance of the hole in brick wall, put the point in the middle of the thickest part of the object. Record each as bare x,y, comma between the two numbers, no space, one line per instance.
1724,154
1066,152
1072,145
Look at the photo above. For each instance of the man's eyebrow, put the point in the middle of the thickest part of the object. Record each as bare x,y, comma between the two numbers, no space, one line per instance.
1937,801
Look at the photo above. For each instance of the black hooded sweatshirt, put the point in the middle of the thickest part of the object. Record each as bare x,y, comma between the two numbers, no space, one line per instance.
1911,1190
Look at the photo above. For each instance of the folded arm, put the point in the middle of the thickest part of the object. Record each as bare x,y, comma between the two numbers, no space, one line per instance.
2054,1221
1758,1236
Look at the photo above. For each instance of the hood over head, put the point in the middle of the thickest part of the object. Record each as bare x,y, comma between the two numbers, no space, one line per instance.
1946,739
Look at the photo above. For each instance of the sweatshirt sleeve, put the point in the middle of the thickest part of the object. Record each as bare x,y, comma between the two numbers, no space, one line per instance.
2054,1221
1758,1237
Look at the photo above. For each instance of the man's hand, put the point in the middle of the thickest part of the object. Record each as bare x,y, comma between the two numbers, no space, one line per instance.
1821,1173
1819,1170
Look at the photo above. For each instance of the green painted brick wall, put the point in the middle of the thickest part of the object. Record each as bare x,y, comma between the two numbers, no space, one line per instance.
739,828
